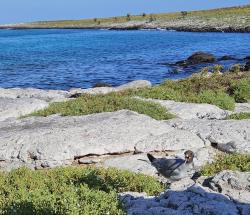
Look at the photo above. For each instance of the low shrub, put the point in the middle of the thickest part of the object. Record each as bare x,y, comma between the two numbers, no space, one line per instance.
71,190
221,90
218,98
238,162
241,90
239,116
89,104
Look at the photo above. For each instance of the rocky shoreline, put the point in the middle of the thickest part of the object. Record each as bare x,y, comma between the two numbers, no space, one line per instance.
223,29
228,20
121,140
196,126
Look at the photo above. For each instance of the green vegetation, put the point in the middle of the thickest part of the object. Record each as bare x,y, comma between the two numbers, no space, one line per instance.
241,90
72,191
88,104
239,116
237,162
238,16
221,90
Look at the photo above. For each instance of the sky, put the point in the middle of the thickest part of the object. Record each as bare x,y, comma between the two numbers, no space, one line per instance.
17,11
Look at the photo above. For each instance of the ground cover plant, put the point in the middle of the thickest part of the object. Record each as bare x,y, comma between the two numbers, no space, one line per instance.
88,104
239,116
221,90
235,162
69,191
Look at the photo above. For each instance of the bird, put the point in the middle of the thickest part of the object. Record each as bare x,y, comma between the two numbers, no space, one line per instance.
174,169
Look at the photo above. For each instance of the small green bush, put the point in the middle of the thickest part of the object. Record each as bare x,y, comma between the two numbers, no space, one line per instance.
239,116
88,104
69,191
221,90
218,98
236,68
217,69
237,162
241,90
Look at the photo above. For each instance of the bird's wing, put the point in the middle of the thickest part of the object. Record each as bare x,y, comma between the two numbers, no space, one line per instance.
168,166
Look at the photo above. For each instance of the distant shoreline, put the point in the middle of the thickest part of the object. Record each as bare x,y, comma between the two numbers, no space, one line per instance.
228,20
181,29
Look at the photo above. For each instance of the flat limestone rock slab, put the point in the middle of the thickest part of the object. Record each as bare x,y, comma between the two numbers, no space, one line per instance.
226,135
105,90
134,163
242,107
10,107
55,140
46,95
191,110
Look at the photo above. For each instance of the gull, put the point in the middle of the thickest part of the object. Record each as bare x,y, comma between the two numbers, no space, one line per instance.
174,168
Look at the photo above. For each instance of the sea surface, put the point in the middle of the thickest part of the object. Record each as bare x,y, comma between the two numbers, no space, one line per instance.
64,59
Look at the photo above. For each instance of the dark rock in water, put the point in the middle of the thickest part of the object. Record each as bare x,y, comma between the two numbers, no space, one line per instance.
101,84
247,66
197,58
181,63
201,57
226,57
247,58
76,95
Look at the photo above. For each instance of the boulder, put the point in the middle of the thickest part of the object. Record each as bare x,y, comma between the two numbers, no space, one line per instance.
191,110
226,135
234,184
134,85
201,57
10,108
105,90
55,140
197,58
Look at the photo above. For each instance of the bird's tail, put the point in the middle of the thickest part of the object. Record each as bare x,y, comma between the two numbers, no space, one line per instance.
151,157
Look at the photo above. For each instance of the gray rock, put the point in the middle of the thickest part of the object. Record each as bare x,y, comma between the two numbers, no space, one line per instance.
134,163
46,95
93,91
135,85
10,108
192,200
201,57
191,110
56,140
197,58
242,107
105,90
226,135
172,140
236,185
89,160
